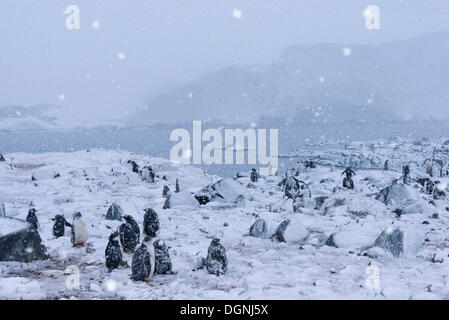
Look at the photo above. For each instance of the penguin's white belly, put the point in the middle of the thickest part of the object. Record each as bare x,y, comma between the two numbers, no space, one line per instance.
152,258
80,232
145,174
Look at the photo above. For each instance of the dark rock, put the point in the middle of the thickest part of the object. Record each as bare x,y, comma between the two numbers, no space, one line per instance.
259,229
166,192
331,241
391,240
20,241
222,190
115,212
393,194
216,261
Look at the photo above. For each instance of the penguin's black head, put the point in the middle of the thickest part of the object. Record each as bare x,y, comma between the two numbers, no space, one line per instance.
77,215
159,244
58,217
114,236
215,241
32,211
128,218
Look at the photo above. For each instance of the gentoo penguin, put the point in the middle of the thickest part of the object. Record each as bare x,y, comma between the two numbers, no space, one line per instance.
162,258
79,231
113,253
145,173
32,218
166,192
254,176
128,238
2,158
216,261
150,223
59,226
135,166
134,225
143,262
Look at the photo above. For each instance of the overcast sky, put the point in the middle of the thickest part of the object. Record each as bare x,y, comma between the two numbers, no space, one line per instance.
125,51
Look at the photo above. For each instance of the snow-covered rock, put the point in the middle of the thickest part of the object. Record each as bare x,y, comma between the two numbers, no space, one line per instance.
226,190
391,240
259,229
115,212
292,231
19,241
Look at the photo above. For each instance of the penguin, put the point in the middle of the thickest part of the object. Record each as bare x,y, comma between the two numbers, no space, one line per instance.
32,218
166,193
2,158
128,238
79,231
135,166
129,219
254,176
429,168
113,253
216,261
162,258
297,168
143,262
150,223
386,165
177,190
145,173
59,226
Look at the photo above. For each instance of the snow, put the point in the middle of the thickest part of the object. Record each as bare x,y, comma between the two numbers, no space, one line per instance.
8,226
303,268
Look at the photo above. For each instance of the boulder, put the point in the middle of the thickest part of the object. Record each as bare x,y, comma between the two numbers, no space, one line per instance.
115,212
292,231
391,240
19,241
259,229
394,195
224,190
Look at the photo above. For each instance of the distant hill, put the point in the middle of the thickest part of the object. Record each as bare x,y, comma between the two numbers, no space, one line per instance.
330,81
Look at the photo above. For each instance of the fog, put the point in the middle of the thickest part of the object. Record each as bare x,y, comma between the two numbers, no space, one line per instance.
125,52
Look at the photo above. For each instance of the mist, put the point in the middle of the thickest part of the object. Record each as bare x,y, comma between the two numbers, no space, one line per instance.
125,53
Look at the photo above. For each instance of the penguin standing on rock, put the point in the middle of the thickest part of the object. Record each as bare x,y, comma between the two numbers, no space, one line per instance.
79,231
144,261
216,261
347,181
32,218
59,226
134,225
113,253
150,223
128,238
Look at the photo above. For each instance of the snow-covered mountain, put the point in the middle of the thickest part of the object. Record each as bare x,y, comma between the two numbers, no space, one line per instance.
37,117
407,77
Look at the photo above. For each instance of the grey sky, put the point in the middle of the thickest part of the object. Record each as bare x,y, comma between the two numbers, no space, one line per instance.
167,42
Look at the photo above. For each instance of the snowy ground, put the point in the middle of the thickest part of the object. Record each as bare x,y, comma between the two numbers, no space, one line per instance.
258,268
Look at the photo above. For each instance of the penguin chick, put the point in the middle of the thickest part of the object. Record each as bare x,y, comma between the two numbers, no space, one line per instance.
129,219
150,223
59,226
32,218
128,238
143,262
216,261
113,253
163,263
79,231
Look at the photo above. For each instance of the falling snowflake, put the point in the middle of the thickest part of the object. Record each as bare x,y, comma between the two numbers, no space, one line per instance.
95,24
121,56
321,79
237,13
111,285
347,51
61,97
190,95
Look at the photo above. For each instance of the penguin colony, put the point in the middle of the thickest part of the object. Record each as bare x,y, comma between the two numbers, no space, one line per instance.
152,256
